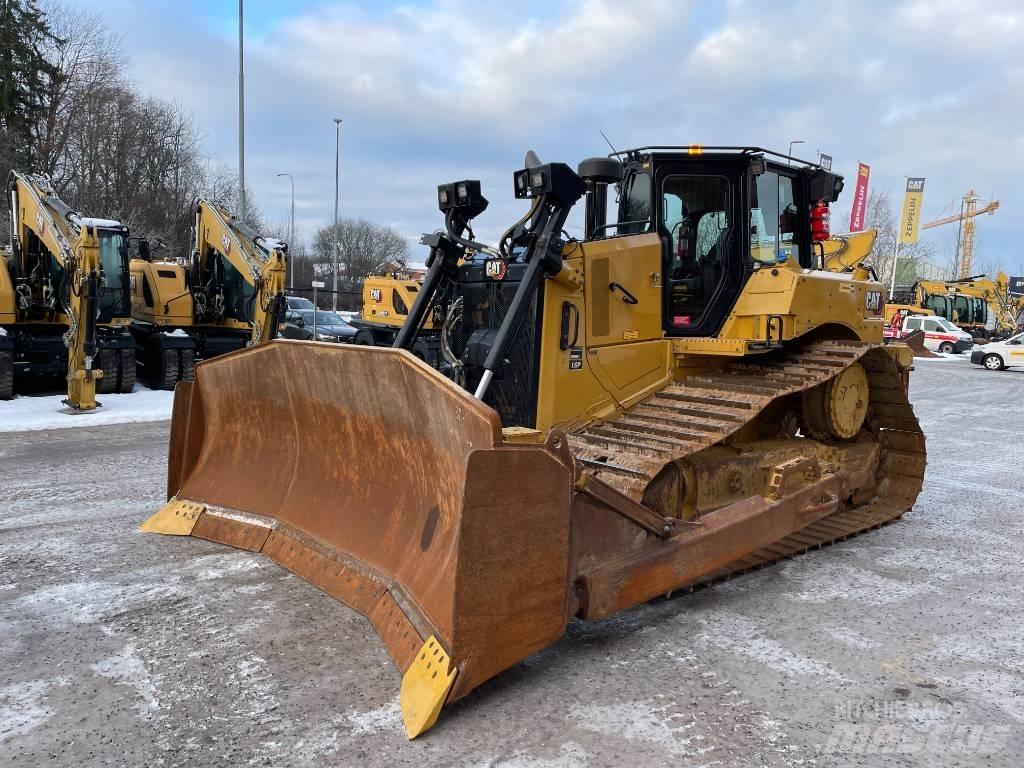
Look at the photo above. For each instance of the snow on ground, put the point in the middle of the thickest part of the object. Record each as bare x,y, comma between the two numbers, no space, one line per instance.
32,412
961,357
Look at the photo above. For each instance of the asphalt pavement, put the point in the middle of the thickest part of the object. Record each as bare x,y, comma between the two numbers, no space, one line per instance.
904,646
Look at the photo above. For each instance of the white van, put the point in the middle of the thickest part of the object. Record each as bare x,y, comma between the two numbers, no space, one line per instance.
940,335
998,355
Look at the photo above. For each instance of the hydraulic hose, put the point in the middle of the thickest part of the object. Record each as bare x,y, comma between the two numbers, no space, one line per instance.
508,232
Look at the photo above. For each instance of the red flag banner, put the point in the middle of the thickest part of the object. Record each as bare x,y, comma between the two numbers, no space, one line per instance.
860,198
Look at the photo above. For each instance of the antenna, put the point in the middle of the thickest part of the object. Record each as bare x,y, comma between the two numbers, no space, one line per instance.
614,151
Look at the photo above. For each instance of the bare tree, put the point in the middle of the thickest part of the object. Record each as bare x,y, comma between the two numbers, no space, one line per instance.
86,57
882,217
363,247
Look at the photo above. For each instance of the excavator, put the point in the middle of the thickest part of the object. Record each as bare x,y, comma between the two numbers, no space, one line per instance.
64,306
960,303
681,395
229,295
1004,308
386,303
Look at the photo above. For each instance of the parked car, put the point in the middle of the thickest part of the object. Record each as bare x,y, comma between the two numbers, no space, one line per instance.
298,324
298,302
998,355
940,335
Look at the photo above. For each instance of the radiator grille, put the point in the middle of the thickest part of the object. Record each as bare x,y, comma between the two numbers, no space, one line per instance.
513,392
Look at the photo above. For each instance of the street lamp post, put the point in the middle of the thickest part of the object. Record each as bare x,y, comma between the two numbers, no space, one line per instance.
241,114
337,163
291,235
790,153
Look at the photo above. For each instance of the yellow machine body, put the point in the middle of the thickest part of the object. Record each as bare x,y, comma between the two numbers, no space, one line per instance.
63,276
387,299
230,294
640,411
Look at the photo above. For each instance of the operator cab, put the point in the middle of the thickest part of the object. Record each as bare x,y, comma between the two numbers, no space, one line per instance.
720,215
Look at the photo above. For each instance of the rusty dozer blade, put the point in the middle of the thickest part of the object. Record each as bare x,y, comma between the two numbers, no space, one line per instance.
378,480
373,477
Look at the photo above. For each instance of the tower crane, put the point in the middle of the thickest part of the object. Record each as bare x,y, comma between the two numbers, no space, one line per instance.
968,211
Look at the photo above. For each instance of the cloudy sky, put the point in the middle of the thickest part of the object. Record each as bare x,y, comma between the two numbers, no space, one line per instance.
437,90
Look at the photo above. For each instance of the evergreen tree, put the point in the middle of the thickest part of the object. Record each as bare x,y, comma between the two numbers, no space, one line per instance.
24,74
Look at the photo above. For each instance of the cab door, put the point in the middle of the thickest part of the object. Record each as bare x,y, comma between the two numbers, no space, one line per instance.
623,294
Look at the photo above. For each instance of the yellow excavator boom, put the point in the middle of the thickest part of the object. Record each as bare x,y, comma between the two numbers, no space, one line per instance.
260,260
228,295
68,272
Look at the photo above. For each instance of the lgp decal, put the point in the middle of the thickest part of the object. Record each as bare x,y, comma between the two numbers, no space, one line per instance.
575,359
495,269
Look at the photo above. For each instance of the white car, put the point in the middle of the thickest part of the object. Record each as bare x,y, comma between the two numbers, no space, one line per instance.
940,335
998,355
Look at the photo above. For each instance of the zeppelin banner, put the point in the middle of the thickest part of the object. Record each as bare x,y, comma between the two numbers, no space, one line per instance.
911,218
860,198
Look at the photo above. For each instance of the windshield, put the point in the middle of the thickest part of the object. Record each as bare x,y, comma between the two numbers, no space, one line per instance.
112,262
323,317
635,205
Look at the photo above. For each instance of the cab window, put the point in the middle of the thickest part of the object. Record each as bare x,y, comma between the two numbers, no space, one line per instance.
635,205
914,324
774,219
936,304
696,220
398,303
932,325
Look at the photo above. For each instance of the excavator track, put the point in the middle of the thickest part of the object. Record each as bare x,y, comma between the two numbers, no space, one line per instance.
703,411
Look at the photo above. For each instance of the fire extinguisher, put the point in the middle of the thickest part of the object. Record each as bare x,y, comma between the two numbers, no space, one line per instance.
819,221
683,246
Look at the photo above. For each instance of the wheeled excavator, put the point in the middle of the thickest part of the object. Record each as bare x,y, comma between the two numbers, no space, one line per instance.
64,306
959,303
228,295
1004,308
681,395
386,303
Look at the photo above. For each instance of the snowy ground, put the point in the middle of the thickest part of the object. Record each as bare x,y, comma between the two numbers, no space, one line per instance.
902,647
35,412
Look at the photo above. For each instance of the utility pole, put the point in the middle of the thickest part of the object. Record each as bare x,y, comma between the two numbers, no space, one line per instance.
337,164
241,112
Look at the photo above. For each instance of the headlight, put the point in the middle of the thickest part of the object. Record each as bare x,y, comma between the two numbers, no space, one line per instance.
325,337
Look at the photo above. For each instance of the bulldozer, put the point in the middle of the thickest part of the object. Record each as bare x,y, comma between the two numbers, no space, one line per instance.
675,397
64,306
228,295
